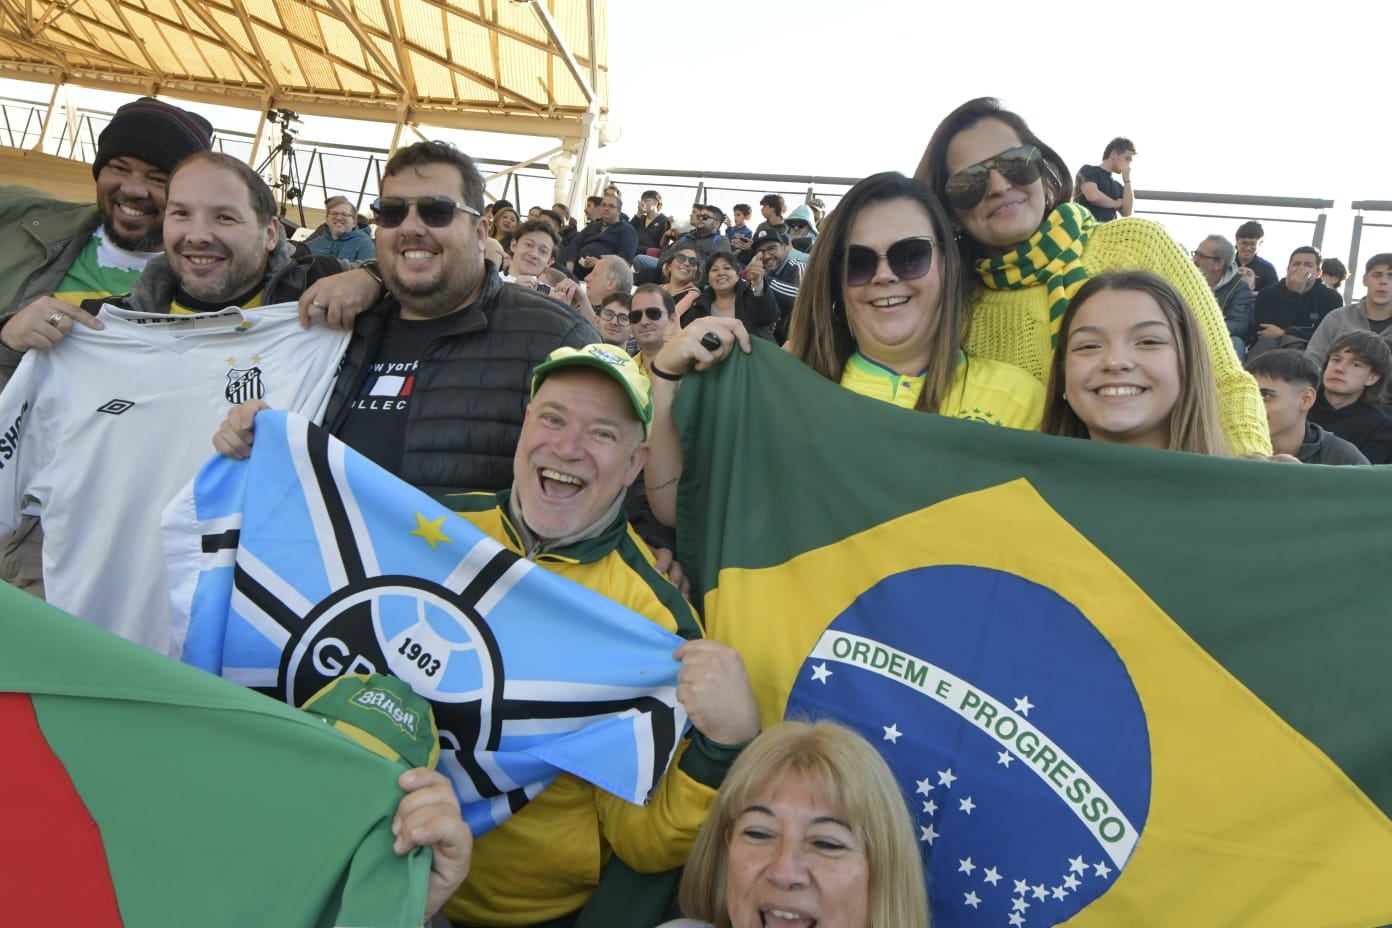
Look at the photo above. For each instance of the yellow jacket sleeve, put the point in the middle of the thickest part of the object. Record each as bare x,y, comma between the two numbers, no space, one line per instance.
659,835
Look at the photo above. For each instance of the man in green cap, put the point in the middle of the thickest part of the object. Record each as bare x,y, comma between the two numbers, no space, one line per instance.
583,443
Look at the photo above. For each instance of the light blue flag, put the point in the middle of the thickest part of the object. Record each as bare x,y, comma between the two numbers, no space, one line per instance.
307,561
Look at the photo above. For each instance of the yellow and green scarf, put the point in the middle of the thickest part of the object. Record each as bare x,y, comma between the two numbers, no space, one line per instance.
1053,256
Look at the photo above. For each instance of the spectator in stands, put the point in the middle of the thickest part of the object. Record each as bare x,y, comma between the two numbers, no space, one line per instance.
1333,273
534,245
880,311
1373,313
773,207
611,275
1031,249
819,209
1249,238
1355,385
568,228
583,442
592,208
681,275
802,228
774,267
739,233
1214,259
1288,315
653,313
1289,382
611,235
614,325
499,242
650,223
1102,195
341,236
727,296
1133,369
811,821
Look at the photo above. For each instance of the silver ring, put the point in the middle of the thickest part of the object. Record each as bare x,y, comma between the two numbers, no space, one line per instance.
319,305
54,319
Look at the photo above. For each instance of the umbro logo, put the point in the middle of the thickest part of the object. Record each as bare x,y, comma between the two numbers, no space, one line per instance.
115,407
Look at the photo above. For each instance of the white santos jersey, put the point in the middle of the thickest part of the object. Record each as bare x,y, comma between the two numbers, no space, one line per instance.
97,434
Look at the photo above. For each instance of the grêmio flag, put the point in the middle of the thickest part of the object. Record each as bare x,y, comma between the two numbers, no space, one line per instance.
1117,686
138,792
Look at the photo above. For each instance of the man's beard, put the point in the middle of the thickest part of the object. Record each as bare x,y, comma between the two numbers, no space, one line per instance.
152,241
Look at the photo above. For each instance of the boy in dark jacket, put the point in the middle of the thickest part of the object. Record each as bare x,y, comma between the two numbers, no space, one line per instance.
1289,383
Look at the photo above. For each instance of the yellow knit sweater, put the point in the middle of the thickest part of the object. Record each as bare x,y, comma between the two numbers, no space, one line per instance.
1013,325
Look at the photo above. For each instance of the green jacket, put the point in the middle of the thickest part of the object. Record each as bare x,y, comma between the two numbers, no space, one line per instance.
40,238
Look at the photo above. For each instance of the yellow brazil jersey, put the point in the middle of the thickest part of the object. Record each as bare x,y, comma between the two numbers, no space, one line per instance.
257,300
982,390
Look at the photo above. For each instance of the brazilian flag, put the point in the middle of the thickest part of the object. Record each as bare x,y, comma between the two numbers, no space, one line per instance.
1118,686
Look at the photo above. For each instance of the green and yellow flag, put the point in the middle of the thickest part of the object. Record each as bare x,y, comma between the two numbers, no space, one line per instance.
136,792
1118,686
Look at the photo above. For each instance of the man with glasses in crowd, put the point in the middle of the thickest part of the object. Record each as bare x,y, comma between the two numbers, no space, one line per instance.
437,375
1249,238
611,235
653,313
1214,259
773,266
614,324
340,236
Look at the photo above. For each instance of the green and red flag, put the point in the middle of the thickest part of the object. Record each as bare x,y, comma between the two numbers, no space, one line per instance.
138,792
1118,686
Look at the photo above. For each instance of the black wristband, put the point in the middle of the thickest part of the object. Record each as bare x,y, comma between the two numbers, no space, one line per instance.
659,372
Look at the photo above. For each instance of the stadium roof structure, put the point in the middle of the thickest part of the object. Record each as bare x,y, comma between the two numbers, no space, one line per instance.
532,67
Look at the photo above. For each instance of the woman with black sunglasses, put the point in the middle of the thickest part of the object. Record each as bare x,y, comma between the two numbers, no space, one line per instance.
1029,249
681,275
727,295
879,311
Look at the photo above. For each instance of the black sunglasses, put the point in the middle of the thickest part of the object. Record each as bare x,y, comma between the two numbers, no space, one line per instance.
435,211
635,316
909,258
1020,166
686,259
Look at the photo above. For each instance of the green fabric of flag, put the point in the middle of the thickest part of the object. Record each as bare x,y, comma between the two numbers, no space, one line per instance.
1119,686
143,793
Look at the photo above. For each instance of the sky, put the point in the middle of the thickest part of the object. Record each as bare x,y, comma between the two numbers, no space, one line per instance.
1262,98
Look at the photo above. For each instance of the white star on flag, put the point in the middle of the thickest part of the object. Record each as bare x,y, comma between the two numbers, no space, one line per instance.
972,900
1039,891
1077,864
1016,919
1019,905
820,672
1021,887
946,778
927,833
992,876
892,733
1023,705
1101,870
925,786
1005,758
1060,892
1071,881
966,866
930,807
966,805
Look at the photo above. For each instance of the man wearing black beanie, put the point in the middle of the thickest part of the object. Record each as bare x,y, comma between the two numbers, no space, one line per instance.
55,254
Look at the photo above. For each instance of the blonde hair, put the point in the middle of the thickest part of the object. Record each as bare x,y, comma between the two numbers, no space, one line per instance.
1194,423
857,783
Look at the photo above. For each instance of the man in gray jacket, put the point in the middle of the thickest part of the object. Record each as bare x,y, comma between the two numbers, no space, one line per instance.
1373,313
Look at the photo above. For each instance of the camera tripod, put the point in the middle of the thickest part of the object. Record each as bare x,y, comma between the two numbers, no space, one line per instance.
287,187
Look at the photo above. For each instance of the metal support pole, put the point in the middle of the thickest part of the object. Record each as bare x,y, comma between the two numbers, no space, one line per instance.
48,117
1353,254
1320,220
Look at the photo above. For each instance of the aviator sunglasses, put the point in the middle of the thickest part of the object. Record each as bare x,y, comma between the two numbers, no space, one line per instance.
635,316
435,211
909,258
1020,166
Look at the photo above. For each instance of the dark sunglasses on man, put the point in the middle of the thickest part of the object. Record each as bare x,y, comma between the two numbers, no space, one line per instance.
635,316
1019,165
909,259
435,211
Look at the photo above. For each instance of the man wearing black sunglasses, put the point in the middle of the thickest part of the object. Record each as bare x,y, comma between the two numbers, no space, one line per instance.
437,376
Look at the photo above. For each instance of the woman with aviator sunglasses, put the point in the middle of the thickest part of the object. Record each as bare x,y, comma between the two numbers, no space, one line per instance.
681,273
879,311
1030,250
